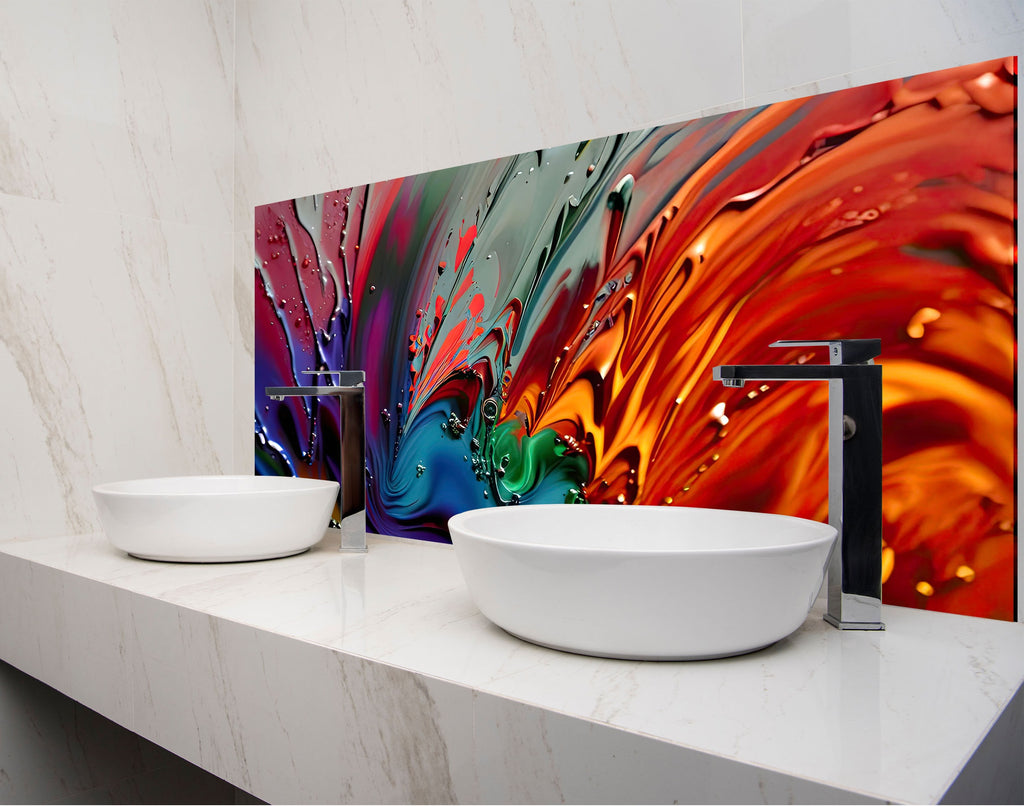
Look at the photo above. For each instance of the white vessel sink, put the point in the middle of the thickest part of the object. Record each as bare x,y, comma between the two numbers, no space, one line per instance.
642,582
215,518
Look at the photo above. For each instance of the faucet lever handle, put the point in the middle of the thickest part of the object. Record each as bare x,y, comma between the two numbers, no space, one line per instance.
840,351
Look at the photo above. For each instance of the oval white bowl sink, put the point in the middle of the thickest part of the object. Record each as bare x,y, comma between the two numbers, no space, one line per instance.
209,519
642,582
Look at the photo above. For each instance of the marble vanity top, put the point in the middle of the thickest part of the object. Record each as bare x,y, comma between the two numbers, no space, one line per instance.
328,678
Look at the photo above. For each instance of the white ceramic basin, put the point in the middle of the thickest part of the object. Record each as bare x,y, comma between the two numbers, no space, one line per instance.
215,518
642,582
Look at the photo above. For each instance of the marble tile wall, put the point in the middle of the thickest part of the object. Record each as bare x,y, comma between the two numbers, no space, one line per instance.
116,319
335,94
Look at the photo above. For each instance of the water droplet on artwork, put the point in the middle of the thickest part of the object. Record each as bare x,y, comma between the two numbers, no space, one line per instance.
489,409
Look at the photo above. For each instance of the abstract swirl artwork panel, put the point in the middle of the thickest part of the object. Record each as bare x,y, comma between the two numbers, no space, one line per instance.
542,327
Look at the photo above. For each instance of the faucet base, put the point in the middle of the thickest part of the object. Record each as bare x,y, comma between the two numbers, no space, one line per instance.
353,533
854,625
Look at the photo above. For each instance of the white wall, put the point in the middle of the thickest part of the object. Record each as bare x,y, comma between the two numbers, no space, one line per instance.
116,318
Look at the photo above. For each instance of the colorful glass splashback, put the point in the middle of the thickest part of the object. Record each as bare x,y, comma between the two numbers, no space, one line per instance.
542,327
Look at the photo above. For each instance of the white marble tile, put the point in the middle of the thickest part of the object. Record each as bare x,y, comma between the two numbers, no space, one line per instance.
116,339
995,773
885,715
243,350
59,80
22,646
438,83
327,93
883,31
906,65
79,649
87,635
807,46
120,106
794,42
385,741
177,76
289,723
511,77
45,302
175,660
573,761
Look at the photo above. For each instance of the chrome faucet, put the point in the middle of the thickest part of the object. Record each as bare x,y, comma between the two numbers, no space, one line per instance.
352,462
854,469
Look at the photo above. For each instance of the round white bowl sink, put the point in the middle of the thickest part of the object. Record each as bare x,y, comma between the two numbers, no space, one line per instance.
209,519
642,582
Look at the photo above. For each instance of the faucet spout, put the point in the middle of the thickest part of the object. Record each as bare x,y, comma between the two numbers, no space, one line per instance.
737,375
854,469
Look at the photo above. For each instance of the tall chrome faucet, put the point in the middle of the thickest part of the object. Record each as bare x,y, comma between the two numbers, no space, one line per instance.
352,462
854,469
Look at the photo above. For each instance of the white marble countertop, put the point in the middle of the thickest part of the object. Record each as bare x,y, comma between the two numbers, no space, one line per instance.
373,678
